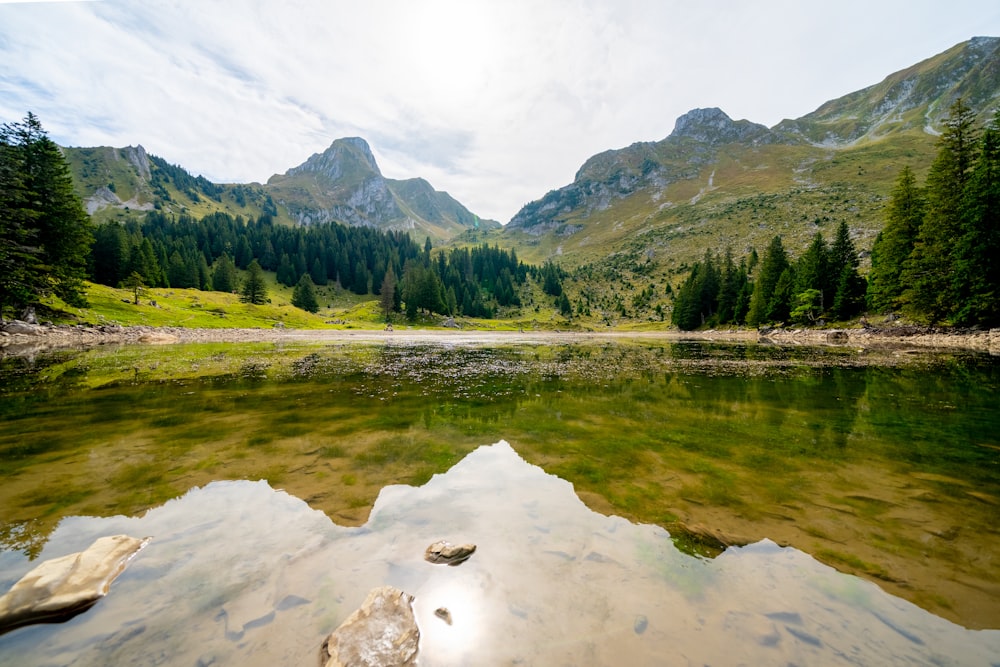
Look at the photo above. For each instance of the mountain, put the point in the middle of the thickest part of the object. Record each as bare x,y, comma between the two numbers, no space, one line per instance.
115,182
651,209
343,184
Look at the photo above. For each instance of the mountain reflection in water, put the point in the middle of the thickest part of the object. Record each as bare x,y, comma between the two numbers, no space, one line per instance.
239,573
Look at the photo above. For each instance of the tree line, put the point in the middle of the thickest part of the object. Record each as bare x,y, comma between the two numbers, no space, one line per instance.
936,260
822,283
48,245
938,257
180,251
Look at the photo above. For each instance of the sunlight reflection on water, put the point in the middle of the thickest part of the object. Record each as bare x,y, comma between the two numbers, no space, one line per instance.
238,573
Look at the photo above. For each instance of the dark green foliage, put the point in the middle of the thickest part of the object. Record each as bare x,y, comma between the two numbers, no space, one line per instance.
812,272
764,307
387,294
163,172
928,275
45,234
977,258
712,295
895,242
422,289
254,288
842,279
471,281
304,294
565,308
224,276
551,279
949,236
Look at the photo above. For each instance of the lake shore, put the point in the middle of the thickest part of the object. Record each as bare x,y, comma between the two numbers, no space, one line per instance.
22,339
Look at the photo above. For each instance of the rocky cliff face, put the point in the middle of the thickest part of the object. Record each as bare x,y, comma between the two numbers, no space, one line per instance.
714,127
344,184
617,174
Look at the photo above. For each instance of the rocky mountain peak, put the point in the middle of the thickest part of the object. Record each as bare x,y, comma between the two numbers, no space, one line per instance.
714,126
350,156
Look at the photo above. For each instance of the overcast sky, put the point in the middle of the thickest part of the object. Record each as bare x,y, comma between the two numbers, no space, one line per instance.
496,102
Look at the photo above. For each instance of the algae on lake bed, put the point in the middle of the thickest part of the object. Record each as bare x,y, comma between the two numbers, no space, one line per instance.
889,470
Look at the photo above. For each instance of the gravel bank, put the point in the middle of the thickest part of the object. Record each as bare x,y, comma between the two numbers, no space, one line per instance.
20,338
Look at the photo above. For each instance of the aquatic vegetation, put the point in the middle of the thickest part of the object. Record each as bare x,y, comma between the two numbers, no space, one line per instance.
867,462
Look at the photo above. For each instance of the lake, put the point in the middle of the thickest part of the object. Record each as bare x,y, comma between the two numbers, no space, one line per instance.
633,501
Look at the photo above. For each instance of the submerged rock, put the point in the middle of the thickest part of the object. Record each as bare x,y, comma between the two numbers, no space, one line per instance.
64,587
447,553
382,632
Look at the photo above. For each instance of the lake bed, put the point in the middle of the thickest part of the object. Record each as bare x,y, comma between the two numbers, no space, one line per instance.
881,468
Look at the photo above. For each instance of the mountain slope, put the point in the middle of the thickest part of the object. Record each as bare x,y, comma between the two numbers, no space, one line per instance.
344,184
655,207
117,182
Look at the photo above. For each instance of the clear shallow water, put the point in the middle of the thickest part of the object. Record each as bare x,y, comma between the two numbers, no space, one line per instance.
239,573
880,465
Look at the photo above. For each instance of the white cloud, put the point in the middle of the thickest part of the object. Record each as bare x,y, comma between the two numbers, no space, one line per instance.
495,102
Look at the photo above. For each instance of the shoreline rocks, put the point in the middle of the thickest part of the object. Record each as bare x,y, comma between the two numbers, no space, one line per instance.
20,338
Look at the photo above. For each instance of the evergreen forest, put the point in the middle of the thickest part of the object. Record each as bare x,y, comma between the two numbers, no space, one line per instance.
936,259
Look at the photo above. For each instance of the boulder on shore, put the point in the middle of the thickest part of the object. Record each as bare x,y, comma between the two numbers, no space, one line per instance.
382,632
61,588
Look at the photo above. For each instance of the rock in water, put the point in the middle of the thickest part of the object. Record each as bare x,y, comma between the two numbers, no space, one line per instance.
63,587
382,632
449,554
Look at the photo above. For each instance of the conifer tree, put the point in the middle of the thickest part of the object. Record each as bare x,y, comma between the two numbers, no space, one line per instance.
387,293
763,306
45,233
224,275
844,282
977,266
812,272
304,294
928,273
254,288
21,271
894,243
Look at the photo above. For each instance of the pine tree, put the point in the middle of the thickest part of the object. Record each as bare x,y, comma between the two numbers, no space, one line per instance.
254,288
812,273
46,234
304,294
224,275
977,266
110,254
928,273
844,281
22,275
894,243
772,267
387,294
565,308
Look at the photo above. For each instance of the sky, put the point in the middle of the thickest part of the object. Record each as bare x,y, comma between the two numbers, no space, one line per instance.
496,102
